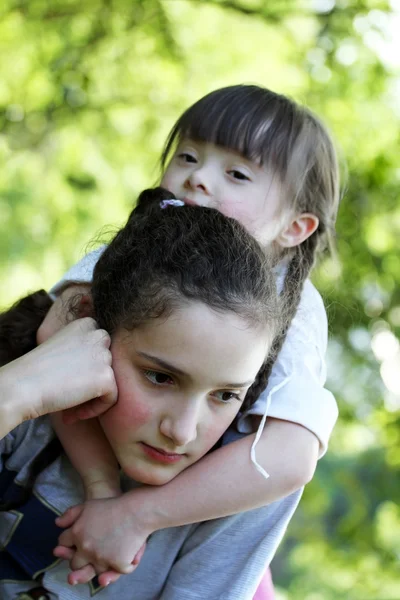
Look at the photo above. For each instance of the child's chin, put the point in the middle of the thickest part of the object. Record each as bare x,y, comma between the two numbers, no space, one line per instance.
149,475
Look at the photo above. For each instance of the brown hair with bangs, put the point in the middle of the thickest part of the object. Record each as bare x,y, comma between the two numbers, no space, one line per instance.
275,132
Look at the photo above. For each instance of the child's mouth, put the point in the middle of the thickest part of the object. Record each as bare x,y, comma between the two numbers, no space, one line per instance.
160,455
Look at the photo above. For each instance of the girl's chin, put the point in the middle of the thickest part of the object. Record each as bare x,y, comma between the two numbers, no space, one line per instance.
149,475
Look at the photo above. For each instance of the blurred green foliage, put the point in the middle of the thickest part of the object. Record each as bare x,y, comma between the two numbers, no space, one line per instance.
88,92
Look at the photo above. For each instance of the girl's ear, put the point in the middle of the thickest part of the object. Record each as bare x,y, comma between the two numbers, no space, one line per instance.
298,230
84,306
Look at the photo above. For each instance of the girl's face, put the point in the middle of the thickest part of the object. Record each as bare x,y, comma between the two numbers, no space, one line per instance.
207,175
181,381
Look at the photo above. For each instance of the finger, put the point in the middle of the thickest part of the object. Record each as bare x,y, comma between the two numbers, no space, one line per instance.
83,575
66,539
79,560
108,577
69,518
63,552
139,555
124,569
96,406
105,338
86,324
88,410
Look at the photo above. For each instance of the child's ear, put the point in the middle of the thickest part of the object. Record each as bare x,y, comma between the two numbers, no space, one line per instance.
85,306
298,230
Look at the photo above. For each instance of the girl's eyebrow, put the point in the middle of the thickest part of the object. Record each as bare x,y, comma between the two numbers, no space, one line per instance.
161,363
165,365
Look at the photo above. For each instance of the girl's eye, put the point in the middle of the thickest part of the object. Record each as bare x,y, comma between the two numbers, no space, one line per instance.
158,378
187,157
238,175
226,397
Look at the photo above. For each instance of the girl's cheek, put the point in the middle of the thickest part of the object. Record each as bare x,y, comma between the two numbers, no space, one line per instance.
130,412
133,407
212,434
220,422
238,211
166,181
136,412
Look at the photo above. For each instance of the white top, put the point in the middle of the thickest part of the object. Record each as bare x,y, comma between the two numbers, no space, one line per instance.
295,390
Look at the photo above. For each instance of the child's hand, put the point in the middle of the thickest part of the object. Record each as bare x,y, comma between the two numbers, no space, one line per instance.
103,538
71,368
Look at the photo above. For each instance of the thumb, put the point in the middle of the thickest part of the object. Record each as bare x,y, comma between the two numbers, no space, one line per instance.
70,516
108,577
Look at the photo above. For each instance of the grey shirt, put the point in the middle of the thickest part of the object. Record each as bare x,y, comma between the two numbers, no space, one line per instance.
219,559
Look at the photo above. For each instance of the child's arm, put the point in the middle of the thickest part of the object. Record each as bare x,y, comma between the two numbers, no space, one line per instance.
223,483
71,368
91,455
83,441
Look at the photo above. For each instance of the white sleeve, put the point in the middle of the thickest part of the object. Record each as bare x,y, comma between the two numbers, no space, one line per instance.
82,272
295,390
226,558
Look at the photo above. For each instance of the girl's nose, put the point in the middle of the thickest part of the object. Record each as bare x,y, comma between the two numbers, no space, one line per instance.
199,179
181,427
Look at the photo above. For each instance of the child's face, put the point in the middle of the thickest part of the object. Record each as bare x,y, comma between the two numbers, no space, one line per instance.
181,382
208,175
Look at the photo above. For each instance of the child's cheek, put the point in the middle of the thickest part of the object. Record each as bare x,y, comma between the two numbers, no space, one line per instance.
167,182
130,413
135,412
211,436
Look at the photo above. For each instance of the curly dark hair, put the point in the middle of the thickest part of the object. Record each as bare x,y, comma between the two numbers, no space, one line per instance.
160,260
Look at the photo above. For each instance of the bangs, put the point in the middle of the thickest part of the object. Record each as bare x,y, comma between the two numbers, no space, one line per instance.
252,121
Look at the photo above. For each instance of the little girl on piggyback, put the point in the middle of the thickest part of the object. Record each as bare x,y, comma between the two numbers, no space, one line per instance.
259,157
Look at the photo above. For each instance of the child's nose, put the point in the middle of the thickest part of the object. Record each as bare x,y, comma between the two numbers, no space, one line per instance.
181,427
199,179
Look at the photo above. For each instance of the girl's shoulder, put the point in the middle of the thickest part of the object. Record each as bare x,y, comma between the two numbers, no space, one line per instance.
311,299
81,272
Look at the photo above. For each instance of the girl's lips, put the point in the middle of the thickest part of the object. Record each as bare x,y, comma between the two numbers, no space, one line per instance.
160,455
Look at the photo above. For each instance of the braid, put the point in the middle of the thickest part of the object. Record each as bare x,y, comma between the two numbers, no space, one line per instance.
297,272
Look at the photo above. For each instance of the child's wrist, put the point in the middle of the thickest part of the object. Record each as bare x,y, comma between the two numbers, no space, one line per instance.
144,504
98,490
10,415
99,485
16,404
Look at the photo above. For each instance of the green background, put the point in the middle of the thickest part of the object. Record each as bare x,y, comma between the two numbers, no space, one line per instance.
88,92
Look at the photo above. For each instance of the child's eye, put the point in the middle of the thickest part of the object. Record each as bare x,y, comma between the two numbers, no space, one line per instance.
226,397
187,157
238,175
158,378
